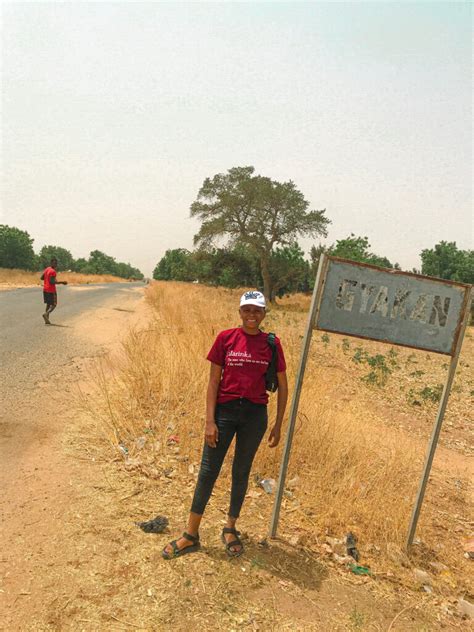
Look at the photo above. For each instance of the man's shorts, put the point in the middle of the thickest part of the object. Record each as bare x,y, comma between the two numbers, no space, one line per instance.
50,298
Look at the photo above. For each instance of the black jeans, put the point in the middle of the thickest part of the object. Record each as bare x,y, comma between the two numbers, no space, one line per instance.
246,420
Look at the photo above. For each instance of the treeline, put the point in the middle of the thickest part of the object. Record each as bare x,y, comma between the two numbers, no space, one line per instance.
16,251
261,220
289,269
292,272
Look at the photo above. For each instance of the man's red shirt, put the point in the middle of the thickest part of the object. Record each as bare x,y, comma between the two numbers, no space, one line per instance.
48,274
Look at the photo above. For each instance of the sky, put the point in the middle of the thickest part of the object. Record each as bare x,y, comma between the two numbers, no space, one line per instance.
113,114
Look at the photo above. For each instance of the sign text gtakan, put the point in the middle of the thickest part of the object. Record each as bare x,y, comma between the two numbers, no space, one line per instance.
399,308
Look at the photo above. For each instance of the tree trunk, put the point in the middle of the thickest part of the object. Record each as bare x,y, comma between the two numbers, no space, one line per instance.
267,282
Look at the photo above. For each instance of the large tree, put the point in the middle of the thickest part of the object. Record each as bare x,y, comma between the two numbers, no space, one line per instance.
16,248
257,212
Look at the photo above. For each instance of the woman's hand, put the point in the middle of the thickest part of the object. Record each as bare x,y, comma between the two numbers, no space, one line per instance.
211,434
274,438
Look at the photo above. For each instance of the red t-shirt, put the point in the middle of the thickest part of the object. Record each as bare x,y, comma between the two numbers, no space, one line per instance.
47,275
245,359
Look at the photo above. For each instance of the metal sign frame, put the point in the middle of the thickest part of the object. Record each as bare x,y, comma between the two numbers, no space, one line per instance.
311,324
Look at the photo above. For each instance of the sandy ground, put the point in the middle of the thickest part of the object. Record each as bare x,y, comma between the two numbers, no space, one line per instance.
72,558
43,484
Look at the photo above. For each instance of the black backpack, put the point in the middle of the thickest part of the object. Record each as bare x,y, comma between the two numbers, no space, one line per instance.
271,380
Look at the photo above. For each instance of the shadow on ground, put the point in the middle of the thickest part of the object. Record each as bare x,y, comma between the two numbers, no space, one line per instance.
283,562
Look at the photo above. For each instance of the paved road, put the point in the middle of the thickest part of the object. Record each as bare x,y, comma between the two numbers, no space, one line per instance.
24,338
32,352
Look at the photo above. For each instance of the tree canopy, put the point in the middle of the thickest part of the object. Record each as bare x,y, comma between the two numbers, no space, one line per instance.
16,251
353,248
446,261
64,257
256,212
100,263
16,248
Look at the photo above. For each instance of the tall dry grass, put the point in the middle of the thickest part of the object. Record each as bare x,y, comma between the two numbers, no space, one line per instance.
10,278
353,471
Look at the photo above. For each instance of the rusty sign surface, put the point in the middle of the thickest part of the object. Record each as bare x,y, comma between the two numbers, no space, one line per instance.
396,307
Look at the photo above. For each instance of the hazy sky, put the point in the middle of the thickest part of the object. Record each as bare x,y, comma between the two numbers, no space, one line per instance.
114,113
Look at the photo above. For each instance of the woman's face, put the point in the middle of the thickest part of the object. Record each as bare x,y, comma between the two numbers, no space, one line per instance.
251,316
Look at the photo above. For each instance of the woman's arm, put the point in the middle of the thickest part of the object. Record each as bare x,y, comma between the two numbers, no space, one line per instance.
211,432
282,398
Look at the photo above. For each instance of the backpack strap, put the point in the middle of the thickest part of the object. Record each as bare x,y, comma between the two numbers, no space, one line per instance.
271,380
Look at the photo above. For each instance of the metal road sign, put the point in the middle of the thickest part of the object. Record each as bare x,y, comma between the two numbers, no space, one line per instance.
391,306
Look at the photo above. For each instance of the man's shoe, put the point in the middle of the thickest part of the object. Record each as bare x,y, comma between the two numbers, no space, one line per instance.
46,319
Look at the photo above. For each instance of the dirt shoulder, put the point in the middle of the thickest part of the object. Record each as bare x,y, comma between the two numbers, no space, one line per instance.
73,557
46,479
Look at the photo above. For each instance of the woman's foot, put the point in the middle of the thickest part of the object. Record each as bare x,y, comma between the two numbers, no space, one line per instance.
187,543
233,544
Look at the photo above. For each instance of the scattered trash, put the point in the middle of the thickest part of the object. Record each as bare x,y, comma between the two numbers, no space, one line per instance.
123,449
263,544
438,567
191,468
351,542
172,439
338,547
427,588
466,608
360,570
469,548
157,525
291,484
140,443
268,484
421,577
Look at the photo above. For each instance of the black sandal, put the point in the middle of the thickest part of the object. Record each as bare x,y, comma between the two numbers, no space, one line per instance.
187,549
236,542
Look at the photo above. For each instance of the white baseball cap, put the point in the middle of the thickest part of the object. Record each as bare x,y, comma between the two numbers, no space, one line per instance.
253,297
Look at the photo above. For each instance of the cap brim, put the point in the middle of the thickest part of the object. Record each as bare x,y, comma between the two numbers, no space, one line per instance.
252,302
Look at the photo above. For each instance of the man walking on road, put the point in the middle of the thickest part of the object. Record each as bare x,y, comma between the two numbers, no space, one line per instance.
49,289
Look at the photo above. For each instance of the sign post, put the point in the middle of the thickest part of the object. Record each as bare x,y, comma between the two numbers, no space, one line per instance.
391,306
318,285
437,427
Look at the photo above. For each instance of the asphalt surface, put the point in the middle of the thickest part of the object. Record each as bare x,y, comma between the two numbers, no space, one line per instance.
32,352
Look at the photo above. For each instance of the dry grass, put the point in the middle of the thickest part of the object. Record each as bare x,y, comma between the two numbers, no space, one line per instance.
357,453
19,278
356,469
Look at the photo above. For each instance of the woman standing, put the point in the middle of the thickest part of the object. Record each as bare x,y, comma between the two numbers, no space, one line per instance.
236,404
